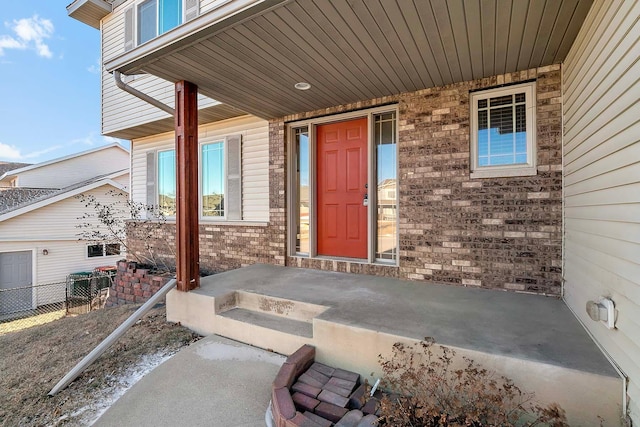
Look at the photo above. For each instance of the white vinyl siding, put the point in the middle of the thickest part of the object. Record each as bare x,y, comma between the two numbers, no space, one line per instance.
77,169
121,110
602,179
255,161
64,257
53,228
124,178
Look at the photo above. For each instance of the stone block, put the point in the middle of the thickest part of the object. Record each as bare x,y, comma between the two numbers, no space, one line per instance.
339,382
323,369
301,420
346,375
286,376
351,419
318,419
331,412
307,379
318,376
356,399
331,397
338,390
282,403
307,389
304,402
303,358
371,406
368,421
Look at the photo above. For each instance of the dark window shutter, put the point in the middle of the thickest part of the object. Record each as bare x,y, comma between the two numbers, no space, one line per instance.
128,29
151,178
234,177
191,9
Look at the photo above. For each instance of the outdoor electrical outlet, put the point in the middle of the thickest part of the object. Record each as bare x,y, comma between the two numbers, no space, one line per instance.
603,310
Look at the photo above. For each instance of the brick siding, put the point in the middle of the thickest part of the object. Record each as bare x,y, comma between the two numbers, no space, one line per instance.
494,232
133,285
501,233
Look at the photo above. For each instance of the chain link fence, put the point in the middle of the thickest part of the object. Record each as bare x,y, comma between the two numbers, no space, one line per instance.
33,305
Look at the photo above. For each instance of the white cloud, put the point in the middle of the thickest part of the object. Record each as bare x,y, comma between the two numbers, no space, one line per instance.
95,68
13,153
10,152
110,139
30,33
94,139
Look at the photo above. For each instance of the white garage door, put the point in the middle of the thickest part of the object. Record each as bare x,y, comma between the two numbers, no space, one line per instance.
15,274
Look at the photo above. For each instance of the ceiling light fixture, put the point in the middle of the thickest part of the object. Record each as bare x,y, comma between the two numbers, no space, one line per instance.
302,86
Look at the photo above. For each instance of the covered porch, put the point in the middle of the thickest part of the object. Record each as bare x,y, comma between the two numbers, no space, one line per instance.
352,318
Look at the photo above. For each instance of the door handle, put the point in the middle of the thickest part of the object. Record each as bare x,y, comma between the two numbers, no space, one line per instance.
365,201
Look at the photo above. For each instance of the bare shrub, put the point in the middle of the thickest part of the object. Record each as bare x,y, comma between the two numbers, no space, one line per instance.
432,391
109,222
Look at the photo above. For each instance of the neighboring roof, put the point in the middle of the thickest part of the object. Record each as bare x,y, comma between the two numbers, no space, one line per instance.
389,182
17,201
9,166
13,198
61,159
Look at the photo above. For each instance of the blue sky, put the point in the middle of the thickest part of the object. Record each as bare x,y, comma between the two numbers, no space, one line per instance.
49,82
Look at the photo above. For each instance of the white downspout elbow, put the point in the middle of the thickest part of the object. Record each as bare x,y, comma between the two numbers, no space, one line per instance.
135,92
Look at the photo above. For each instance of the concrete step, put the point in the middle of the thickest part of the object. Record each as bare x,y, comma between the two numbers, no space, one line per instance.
280,307
272,332
270,321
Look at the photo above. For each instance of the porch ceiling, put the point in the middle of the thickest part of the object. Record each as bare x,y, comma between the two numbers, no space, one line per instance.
355,50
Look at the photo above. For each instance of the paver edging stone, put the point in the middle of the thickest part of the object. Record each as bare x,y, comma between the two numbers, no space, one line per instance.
300,386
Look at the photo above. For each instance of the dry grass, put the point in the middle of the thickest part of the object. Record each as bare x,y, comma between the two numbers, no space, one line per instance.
33,360
29,322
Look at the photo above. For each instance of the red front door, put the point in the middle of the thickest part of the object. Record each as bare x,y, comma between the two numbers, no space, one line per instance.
341,188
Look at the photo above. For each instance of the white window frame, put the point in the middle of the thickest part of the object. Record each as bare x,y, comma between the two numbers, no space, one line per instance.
136,22
525,169
311,125
224,178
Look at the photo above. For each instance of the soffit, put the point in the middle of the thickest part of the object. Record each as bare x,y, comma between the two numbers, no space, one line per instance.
205,115
358,49
89,12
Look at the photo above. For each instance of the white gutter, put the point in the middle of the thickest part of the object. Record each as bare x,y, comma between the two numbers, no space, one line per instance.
135,92
104,345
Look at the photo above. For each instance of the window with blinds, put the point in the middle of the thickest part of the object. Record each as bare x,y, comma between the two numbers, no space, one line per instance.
503,131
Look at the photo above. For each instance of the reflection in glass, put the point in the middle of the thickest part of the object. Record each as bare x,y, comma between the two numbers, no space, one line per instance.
302,189
387,205
170,15
502,131
213,179
147,21
167,182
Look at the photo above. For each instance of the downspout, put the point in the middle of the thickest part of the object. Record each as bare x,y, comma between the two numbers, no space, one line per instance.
113,337
135,92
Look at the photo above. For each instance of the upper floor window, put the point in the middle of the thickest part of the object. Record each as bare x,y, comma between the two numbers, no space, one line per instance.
147,19
156,17
503,132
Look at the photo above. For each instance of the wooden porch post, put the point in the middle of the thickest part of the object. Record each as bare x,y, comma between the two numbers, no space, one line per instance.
187,234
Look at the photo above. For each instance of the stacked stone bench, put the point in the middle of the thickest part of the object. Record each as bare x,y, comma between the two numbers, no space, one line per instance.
306,393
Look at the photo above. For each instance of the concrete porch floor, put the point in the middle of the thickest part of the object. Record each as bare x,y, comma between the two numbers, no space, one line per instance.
352,318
